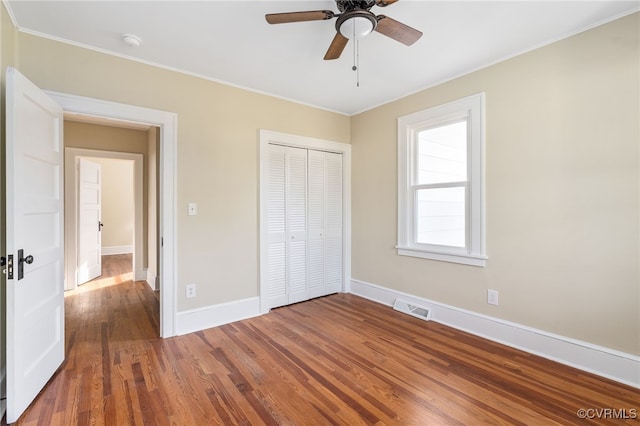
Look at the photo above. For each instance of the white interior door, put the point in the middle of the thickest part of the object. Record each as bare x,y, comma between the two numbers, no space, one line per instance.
35,278
89,220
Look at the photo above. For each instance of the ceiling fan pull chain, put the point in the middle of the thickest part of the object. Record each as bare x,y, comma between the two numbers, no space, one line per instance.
357,63
356,58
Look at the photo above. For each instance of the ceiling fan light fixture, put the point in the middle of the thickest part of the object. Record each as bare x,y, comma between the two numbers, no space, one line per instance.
354,22
356,28
356,25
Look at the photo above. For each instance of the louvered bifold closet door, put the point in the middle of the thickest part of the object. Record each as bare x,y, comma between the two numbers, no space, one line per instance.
333,223
317,218
304,224
276,227
296,226
325,223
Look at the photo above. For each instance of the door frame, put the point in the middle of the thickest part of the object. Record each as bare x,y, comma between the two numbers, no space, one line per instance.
267,137
167,122
71,190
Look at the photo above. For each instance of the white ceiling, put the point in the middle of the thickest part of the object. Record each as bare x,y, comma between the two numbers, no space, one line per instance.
230,41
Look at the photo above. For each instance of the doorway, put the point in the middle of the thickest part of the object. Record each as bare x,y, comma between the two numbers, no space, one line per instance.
72,158
106,225
166,122
34,172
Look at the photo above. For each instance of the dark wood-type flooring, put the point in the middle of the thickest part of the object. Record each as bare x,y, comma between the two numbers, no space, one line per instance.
337,360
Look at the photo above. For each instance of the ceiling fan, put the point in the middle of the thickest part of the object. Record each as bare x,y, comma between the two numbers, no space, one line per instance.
355,21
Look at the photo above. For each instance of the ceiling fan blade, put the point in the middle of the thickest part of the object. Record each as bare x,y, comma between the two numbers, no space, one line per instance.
397,30
385,3
312,15
337,46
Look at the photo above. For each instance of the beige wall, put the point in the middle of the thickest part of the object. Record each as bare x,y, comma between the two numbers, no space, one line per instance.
562,185
217,154
105,138
117,202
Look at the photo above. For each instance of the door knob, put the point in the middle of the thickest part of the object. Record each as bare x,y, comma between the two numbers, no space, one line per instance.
21,261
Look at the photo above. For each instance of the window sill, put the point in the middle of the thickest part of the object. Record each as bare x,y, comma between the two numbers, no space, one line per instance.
465,259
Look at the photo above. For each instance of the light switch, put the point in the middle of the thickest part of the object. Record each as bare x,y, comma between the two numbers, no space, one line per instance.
193,209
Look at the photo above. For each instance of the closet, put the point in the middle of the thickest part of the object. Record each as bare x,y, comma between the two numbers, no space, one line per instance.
304,223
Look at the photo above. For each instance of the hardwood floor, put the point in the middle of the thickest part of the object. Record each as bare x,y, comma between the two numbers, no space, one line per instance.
337,360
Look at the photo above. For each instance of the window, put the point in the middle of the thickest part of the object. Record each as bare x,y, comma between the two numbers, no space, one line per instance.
441,183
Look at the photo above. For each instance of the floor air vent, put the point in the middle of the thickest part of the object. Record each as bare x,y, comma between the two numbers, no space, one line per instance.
413,310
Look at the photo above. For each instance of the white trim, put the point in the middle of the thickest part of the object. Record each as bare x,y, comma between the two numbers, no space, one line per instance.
174,69
168,123
266,137
111,250
615,365
216,315
465,259
71,211
151,279
470,110
14,21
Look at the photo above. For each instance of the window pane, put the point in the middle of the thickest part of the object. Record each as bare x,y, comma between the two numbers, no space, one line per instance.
440,216
442,154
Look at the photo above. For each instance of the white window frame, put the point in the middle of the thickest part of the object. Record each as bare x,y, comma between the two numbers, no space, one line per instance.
472,110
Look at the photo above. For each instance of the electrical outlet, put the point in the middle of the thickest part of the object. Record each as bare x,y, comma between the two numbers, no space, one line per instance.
492,297
190,291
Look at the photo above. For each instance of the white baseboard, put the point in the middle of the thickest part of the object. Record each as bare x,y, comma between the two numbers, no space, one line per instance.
609,363
106,251
215,315
151,279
